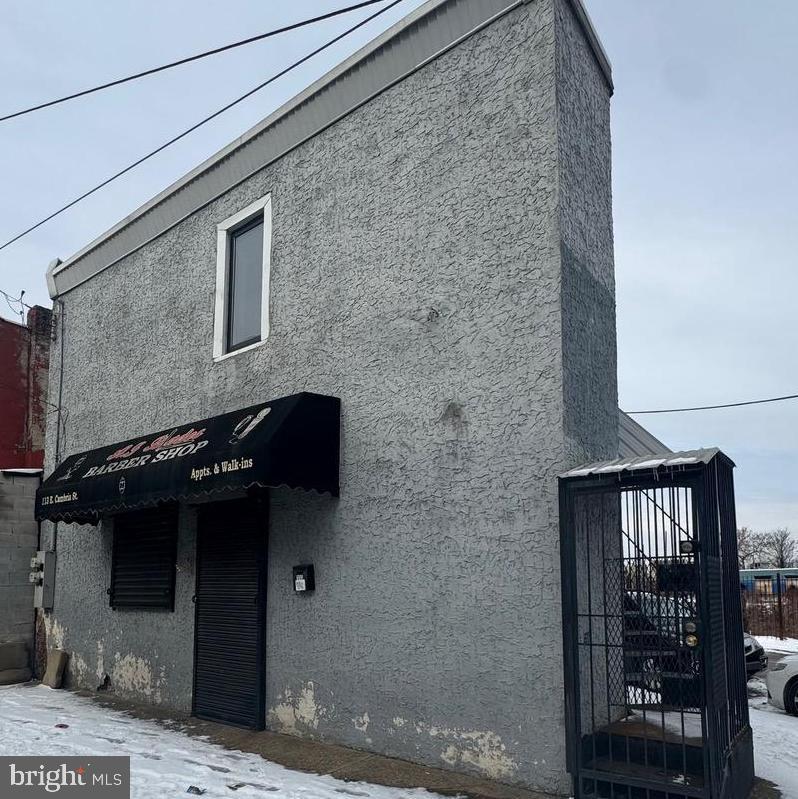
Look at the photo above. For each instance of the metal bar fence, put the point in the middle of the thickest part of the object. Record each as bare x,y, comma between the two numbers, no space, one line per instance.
770,605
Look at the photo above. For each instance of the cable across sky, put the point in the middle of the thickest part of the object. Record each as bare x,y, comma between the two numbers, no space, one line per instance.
187,60
715,407
199,124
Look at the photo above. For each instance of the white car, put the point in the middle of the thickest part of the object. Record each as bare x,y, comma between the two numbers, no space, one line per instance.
782,682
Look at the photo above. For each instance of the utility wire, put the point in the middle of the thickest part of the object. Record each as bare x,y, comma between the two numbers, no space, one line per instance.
9,298
19,301
188,59
199,124
714,407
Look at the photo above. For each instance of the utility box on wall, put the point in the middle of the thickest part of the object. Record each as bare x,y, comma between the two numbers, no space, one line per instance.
304,579
42,576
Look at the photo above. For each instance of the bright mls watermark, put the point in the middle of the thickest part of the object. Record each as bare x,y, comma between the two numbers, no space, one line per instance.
31,777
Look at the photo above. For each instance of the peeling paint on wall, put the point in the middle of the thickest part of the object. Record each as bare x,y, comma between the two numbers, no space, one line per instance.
56,633
100,670
481,749
78,670
362,722
297,713
134,675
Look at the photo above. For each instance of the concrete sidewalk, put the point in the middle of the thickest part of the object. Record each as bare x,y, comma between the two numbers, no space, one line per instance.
353,765
301,754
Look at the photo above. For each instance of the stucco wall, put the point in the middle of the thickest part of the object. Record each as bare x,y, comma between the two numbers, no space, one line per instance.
18,538
416,274
585,220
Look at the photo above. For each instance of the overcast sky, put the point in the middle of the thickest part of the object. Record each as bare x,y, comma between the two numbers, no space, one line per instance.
705,180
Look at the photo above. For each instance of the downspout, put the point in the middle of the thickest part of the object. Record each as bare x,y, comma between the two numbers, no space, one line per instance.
58,409
51,287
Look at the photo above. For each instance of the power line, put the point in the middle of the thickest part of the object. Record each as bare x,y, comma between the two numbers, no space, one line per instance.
10,298
714,407
19,301
188,60
198,124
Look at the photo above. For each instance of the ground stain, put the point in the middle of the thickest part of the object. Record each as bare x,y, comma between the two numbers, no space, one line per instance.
256,785
220,769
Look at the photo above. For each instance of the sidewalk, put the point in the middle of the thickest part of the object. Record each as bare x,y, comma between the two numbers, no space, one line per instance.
343,763
322,758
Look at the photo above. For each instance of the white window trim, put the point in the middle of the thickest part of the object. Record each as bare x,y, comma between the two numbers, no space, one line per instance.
264,206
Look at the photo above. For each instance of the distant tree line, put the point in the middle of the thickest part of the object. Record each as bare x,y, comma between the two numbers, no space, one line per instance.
773,550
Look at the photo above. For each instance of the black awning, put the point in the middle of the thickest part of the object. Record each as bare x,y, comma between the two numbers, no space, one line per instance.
293,441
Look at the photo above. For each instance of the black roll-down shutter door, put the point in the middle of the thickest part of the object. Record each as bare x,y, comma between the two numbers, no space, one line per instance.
229,680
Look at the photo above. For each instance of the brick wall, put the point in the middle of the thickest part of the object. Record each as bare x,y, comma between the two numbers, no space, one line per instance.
24,364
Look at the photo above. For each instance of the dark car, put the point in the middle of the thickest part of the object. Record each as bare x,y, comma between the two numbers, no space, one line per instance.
657,657
755,658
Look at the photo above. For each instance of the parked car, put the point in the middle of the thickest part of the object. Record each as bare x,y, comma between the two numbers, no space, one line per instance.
656,657
782,682
755,658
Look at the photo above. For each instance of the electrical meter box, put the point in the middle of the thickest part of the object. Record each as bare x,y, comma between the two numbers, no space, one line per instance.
303,579
42,575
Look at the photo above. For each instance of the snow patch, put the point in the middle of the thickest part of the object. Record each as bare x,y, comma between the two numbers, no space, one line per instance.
773,644
163,762
775,743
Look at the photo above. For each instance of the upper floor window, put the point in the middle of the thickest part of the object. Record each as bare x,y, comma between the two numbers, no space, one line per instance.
242,280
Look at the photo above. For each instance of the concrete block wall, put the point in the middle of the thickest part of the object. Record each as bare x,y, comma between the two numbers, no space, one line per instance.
18,542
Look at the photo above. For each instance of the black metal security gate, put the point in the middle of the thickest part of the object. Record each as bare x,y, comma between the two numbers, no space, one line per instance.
656,698
229,679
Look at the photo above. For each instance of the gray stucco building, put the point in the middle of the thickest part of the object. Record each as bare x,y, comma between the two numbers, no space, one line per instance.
429,229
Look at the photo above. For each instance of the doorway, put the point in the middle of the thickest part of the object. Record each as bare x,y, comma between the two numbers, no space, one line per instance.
654,665
230,613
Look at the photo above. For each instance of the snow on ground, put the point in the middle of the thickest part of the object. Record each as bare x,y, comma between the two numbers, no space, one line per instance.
772,644
163,762
775,740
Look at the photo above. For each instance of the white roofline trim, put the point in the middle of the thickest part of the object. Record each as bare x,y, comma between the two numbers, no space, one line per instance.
282,111
424,13
589,29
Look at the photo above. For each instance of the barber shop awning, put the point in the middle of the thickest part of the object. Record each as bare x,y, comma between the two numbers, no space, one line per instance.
293,441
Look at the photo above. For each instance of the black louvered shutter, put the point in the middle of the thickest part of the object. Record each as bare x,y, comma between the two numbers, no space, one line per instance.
143,561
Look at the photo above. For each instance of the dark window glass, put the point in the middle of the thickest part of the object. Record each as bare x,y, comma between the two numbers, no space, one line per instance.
245,285
143,559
